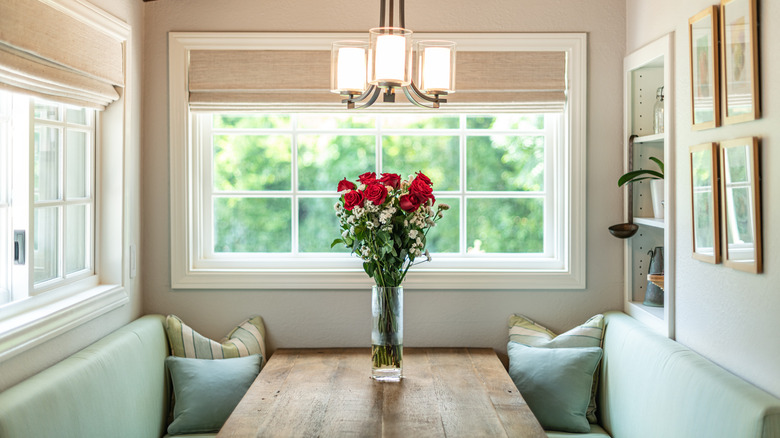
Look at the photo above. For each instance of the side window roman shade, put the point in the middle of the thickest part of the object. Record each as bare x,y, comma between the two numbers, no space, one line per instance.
49,52
284,79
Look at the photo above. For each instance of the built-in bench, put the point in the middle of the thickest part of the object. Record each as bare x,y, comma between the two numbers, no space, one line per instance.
653,387
649,386
116,387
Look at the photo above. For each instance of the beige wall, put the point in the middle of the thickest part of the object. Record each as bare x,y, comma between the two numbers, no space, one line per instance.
432,318
731,317
34,360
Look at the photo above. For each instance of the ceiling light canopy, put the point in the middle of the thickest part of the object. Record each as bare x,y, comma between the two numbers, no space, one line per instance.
361,70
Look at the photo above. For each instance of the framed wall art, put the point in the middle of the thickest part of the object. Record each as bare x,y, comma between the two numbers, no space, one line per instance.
704,202
740,190
739,60
705,87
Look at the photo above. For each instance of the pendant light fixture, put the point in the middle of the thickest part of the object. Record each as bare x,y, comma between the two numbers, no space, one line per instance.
361,70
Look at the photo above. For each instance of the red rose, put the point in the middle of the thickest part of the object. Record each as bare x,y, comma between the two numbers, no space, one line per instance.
421,176
346,185
367,178
352,199
419,187
391,179
376,193
411,202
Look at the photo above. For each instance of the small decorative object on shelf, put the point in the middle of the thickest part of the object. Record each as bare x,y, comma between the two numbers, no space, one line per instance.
385,221
654,294
656,279
656,192
658,112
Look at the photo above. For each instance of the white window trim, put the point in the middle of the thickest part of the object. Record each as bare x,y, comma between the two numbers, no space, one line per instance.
37,319
186,275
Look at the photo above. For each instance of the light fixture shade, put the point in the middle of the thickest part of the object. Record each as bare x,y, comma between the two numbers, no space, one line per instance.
348,67
436,67
390,56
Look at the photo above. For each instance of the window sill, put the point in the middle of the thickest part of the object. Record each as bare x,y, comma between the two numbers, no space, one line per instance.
30,322
357,279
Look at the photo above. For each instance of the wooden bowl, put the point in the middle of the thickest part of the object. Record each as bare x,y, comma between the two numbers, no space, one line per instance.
623,231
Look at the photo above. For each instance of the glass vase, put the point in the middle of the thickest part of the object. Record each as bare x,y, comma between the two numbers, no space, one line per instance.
387,333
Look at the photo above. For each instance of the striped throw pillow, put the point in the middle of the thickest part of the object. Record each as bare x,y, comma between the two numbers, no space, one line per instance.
246,339
590,334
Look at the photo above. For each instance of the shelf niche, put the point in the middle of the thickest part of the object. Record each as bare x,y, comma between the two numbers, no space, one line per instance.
645,70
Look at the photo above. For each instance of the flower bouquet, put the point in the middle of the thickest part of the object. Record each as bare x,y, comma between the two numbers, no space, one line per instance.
385,222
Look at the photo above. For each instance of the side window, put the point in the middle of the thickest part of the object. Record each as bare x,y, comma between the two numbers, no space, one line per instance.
47,153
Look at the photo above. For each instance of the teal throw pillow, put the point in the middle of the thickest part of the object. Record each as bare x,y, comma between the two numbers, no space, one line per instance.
590,334
555,382
206,391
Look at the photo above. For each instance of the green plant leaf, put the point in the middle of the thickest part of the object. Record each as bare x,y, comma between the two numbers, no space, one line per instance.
658,162
638,175
336,242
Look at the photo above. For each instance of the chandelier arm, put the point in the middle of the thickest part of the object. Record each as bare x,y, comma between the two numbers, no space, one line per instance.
412,99
424,96
401,14
392,4
371,100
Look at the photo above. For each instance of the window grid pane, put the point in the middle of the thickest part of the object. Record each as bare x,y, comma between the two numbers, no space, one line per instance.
5,180
63,208
489,169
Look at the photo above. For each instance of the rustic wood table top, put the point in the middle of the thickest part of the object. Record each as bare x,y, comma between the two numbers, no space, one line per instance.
445,392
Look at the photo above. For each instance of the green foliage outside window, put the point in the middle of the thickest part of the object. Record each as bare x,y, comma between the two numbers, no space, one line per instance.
253,177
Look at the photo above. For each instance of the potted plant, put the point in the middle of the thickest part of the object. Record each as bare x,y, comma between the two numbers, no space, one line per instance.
656,184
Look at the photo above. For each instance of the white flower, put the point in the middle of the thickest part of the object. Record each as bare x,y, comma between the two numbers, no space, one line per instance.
413,234
428,255
345,233
370,225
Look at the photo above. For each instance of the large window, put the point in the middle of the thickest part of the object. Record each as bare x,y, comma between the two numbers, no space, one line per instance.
269,180
254,167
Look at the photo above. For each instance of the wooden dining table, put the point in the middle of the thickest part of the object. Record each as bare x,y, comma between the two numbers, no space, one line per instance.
445,392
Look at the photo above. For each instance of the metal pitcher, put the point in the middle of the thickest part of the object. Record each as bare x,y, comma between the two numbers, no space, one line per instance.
654,295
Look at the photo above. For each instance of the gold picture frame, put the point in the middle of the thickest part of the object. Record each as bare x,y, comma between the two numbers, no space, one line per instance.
705,215
739,61
740,190
705,86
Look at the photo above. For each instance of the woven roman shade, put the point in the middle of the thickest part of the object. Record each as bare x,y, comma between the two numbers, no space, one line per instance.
300,79
47,52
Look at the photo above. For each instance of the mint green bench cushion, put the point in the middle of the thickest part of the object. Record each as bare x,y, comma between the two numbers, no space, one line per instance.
596,431
116,387
654,387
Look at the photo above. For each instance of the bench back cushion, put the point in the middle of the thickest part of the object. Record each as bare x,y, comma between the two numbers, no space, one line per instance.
651,386
116,387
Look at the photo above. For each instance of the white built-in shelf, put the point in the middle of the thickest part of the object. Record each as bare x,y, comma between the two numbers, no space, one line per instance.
654,317
645,70
653,138
649,221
